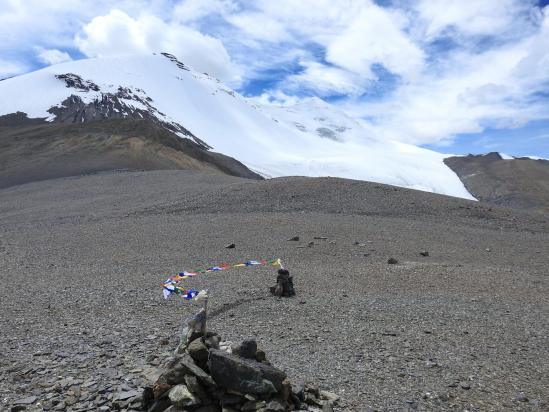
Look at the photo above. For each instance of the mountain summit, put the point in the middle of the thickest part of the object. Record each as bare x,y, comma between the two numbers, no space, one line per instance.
311,138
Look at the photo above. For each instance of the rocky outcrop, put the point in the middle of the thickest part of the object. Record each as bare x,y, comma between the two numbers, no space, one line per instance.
211,375
121,104
33,150
520,182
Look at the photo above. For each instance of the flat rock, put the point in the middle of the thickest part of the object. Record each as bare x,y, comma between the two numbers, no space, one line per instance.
26,401
239,374
122,396
184,365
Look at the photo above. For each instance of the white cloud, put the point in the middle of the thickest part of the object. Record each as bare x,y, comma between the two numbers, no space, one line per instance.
53,56
191,10
475,90
460,66
327,80
486,17
374,36
117,33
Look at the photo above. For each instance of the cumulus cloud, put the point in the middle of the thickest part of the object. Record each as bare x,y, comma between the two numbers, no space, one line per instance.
53,56
501,88
420,71
117,33
374,36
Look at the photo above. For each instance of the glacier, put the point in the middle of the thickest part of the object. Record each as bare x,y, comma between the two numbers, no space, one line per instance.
310,138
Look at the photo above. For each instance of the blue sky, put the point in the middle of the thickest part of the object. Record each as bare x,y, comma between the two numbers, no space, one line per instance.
454,76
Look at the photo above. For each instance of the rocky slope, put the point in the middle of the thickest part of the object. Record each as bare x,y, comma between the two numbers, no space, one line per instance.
85,326
32,149
516,182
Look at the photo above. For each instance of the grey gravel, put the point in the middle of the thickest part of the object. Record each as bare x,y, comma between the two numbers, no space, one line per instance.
83,319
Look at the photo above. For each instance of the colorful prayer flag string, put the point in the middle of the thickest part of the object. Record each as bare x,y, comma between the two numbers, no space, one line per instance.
171,285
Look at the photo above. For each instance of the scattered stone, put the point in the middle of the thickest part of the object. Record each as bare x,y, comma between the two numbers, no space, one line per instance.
198,350
521,397
424,253
276,405
196,388
212,341
320,238
253,406
310,244
260,356
294,239
392,261
181,397
247,349
70,400
431,363
122,396
327,408
284,284
230,246
185,366
26,401
465,385
332,398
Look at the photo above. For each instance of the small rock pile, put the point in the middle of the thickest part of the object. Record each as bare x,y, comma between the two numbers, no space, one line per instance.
284,284
211,375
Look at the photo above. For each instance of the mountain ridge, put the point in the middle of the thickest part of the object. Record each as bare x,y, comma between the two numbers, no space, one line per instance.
33,149
197,106
519,182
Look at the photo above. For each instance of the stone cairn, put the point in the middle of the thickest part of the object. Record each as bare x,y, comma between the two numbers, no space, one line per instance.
284,284
207,374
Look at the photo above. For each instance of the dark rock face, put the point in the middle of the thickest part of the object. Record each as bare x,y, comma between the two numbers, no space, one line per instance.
73,81
174,59
109,105
327,134
520,183
284,284
32,149
112,106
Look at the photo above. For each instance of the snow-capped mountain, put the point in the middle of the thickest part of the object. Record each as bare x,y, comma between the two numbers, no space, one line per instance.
309,139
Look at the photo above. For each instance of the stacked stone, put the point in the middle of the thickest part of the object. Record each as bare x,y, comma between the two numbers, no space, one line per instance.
284,284
212,376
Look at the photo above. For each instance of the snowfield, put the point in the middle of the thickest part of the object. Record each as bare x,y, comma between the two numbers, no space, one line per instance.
311,138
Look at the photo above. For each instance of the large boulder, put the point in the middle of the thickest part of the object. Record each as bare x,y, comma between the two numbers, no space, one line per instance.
244,376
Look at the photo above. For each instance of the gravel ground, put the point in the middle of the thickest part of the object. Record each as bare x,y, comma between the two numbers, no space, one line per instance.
84,324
